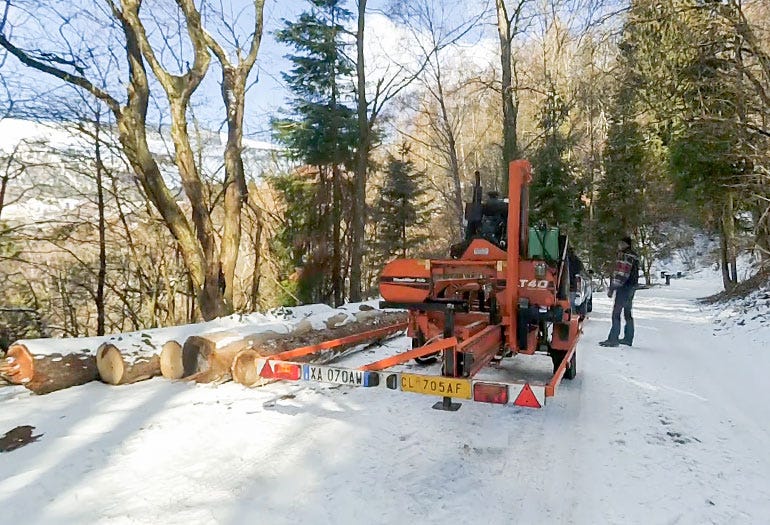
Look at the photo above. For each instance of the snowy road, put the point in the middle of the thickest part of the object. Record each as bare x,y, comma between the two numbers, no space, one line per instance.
674,430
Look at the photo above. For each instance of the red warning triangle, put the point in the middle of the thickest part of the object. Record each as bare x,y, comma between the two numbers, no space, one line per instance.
527,398
267,371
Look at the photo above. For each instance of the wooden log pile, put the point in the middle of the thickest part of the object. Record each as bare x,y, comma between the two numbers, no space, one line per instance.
122,366
43,372
207,358
244,367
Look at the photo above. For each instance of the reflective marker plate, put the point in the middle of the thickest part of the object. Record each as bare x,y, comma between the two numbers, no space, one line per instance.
339,376
436,386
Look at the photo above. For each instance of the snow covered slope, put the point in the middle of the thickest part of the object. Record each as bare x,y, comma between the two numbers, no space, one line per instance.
674,430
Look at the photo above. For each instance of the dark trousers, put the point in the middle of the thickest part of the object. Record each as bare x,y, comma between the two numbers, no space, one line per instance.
624,298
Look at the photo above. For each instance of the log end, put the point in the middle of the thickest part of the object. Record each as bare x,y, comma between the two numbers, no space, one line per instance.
195,354
171,365
18,367
109,362
244,369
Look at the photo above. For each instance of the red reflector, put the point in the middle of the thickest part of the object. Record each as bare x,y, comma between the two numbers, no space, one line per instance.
267,370
490,393
288,371
526,398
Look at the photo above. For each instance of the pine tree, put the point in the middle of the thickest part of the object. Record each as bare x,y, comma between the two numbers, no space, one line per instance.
620,196
692,60
710,149
320,132
401,210
634,195
555,194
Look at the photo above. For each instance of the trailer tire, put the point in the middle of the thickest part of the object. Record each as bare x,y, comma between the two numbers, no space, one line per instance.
571,370
557,356
583,310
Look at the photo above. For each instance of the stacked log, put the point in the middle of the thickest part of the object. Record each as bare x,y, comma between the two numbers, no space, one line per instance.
209,358
43,372
122,366
244,367
171,363
214,357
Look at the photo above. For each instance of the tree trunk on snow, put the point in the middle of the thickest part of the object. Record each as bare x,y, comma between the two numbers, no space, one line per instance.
510,101
124,366
244,367
209,358
361,166
727,245
45,373
102,275
454,160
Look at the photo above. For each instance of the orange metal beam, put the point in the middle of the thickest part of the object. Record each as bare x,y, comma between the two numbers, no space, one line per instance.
469,330
550,388
411,354
333,343
483,346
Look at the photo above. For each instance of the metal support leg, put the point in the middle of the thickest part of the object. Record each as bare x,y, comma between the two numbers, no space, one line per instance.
449,365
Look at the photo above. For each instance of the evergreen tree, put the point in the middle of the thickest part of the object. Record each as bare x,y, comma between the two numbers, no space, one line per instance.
555,194
619,201
401,210
710,147
633,198
320,133
692,60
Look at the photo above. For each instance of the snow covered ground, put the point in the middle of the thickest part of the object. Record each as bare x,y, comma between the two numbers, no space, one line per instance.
674,430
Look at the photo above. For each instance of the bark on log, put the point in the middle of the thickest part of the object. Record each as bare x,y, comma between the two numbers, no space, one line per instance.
45,373
209,358
124,366
244,368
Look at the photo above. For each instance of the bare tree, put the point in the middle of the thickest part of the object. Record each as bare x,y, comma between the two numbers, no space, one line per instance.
386,88
234,84
509,25
196,237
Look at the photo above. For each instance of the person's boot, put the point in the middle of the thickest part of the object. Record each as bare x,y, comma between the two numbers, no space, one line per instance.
609,343
626,342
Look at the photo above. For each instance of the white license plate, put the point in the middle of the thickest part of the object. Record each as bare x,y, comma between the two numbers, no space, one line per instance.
339,376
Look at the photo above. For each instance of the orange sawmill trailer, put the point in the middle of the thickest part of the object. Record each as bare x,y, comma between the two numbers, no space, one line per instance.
504,291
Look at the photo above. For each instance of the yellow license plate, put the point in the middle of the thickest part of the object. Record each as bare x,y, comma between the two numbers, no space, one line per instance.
436,386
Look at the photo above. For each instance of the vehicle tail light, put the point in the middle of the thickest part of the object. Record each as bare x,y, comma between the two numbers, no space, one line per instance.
287,371
490,393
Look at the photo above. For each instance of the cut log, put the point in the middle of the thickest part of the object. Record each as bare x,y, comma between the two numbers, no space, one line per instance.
171,363
244,369
43,373
209,358
120,366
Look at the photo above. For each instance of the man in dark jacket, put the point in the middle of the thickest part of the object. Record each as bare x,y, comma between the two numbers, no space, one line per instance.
624,282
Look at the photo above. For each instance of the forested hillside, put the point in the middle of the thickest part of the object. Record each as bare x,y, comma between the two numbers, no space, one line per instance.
166,162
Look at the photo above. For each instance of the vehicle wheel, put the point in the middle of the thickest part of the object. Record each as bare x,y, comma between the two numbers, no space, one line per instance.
583,310
557,356
571,370
590,305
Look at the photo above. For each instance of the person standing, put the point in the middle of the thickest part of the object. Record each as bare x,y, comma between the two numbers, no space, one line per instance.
625,279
